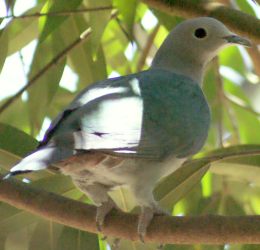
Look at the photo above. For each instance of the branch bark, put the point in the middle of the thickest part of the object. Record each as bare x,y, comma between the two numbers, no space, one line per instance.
236,20
164,229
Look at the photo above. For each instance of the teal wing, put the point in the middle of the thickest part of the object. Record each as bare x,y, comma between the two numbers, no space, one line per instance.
150,114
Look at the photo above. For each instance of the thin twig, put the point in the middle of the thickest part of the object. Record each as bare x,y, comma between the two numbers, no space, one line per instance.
59,13
147,48
53,62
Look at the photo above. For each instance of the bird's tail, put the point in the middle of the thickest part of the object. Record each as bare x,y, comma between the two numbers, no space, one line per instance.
40,159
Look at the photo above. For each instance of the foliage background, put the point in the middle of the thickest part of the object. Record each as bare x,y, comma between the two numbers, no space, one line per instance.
124,40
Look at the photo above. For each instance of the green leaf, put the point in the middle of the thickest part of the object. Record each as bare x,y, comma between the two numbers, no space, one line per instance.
176,185
178,247
50,23
235,151
98,22
231,57
233,207
80,58
167,20
242,169
247,122
71,238
17,221
128,11
241,162
43,91
4,41
245,6
45,235
251,247
115,43
16,115
15,141
123,198
22,31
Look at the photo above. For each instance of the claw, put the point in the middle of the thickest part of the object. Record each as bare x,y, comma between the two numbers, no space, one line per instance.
145,218
144,221
102,211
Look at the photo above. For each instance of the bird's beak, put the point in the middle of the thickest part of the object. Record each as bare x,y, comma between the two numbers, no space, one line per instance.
235,39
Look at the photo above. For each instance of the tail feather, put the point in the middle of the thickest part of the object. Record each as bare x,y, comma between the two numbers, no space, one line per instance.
40,159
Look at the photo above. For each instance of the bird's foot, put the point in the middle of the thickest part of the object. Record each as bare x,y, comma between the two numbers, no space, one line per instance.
102,211
145,218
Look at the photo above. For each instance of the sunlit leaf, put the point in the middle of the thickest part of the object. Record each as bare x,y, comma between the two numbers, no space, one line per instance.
48,83
176,185
3,47
15,141
53,22
128,10
245,6
45,235
71,238
231,57
98,22
22,31
241,169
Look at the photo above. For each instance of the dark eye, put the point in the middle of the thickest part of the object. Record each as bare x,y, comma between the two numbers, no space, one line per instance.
200,33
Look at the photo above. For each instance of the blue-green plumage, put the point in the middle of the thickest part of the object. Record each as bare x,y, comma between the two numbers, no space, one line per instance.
173,112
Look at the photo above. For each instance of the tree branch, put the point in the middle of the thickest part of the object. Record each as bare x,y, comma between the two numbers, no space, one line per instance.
164,229
238,21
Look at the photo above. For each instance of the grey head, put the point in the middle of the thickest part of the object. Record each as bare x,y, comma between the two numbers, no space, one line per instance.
192,44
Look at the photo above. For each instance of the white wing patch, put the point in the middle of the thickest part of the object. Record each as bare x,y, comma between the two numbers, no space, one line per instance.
134,83
95,93
116,124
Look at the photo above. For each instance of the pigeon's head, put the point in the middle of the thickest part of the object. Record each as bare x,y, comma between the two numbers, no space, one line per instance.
204,37
193,43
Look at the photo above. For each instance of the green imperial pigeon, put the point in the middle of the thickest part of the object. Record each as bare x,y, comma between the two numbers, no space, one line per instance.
133,130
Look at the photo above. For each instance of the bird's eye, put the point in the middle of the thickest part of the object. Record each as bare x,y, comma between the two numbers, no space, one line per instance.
200,33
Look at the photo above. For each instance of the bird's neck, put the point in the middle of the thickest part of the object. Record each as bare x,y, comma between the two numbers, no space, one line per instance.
176,62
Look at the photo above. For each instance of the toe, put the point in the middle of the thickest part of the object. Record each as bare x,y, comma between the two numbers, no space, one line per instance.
102,211
145,219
